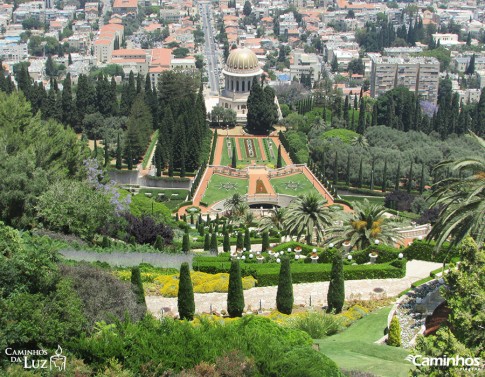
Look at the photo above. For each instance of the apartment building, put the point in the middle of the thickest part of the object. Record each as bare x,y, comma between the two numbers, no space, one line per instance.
305,64
104,45
418,74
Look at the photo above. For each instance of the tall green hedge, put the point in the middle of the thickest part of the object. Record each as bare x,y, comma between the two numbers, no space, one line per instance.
336,289
186,303
394,337
284,294
235,294
137,286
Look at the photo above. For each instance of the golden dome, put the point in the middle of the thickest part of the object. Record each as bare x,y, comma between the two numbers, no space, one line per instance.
242,60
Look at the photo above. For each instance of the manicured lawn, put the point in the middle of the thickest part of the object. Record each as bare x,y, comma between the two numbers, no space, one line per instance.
297,184
225,159
274,160
354,348
360,199
221,187
171,198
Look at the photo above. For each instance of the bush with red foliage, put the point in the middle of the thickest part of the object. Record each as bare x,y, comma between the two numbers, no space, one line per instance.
145,229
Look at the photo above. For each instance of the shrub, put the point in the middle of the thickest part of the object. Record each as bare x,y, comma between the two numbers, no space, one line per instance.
240,240
104,296
394,337
336,289
137,286
213,245
145,229
422,250
265,241
317,324
185,299
235,295
284,294
207,241
185,243
399,200
226,244
247,240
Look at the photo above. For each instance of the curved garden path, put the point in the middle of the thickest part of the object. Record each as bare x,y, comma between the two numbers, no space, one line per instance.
363,289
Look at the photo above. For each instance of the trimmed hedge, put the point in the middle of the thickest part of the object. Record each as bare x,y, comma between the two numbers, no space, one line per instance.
343,201
167,179
267,274
423,250
325,254
362,191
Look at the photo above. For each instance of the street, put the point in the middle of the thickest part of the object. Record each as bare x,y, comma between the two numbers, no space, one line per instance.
211,50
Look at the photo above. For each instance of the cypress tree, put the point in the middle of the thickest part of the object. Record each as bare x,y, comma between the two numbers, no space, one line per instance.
201,229
374,115
186,243
410,178
421,180
359,182
213,244
106,153
384,176
118,153
95,148
361,124
129,158
336,289
158,159
265,241
185,298
347,172
335,169
207,242
226,245
235,294
247,240
234,158
398,176
394,337
372,174
240,240
137,286
279,162
284,294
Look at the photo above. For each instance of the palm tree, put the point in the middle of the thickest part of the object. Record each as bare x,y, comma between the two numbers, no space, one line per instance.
360,141
307,214
236,207
275,220
462,200
366,225
234,201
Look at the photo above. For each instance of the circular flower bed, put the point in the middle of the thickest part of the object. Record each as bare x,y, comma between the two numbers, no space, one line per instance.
192,210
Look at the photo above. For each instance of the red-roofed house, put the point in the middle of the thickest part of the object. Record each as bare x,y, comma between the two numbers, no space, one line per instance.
125,6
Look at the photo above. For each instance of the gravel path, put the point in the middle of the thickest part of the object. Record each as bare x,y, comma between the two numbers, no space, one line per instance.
363,289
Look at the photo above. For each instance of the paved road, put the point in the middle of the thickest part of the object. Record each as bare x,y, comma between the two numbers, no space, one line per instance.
362,289
211,52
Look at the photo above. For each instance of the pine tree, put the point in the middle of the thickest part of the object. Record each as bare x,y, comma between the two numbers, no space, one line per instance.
240,240
265,241
213,245
384,177
137,286
235,294
336,289
284,294
118,153
207,242
247,240
279,162
185,298
185,243
234,158
394,337
226,245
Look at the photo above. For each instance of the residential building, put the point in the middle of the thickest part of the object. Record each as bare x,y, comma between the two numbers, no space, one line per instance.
418,74
305,64
125,6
